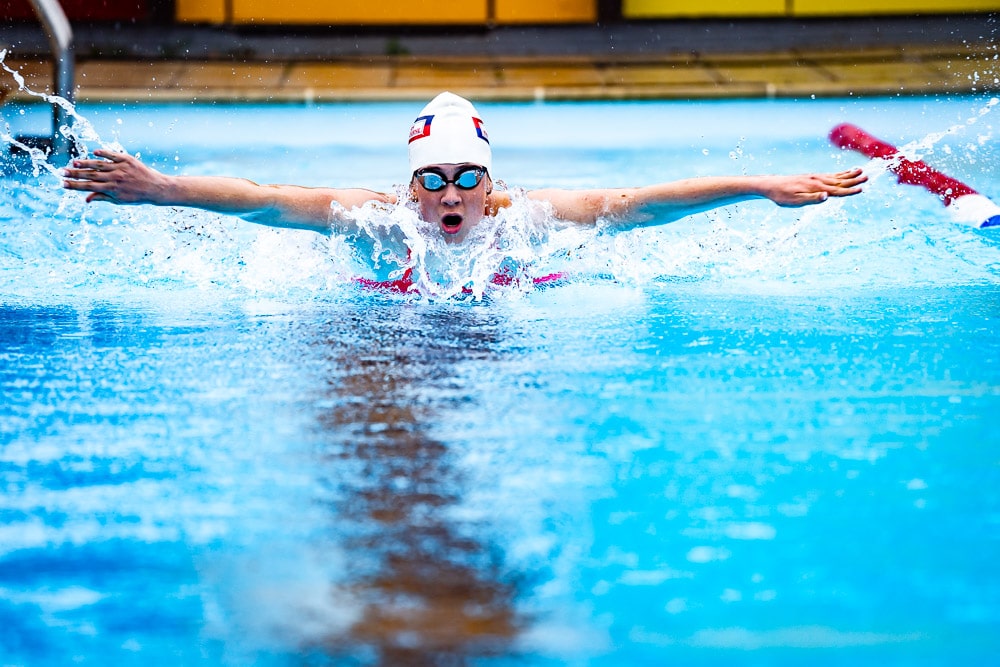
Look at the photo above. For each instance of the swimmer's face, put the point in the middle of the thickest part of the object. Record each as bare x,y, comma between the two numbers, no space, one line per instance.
456,207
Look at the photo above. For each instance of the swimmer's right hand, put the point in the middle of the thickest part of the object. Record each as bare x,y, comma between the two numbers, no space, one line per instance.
117,178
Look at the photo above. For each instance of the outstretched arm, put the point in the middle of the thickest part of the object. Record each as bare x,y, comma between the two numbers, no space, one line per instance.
667,202
119,178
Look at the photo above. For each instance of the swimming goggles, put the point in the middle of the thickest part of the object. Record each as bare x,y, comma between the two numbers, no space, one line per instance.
433,180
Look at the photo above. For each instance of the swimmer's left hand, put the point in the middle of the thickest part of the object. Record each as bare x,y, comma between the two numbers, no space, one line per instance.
806,189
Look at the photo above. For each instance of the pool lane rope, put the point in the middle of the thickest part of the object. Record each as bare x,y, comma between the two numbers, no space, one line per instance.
965,204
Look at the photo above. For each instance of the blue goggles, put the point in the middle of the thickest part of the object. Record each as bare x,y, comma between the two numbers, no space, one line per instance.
433,180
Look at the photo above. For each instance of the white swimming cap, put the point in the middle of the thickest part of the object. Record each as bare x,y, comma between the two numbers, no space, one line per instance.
449,131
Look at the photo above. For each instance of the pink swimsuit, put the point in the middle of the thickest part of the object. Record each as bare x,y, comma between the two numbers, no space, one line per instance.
405,282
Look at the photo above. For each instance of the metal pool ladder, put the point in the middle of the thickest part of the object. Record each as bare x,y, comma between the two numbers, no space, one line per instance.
60,35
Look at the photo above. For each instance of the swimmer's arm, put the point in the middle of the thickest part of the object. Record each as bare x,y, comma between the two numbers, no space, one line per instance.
118,178
667,202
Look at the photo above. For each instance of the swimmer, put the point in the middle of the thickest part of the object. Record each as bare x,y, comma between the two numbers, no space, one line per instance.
451,185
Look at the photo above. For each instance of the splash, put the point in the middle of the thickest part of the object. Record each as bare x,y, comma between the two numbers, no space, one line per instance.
387,242
889,236
508,253
79,132
920,148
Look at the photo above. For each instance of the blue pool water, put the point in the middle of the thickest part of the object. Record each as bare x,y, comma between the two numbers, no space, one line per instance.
755,437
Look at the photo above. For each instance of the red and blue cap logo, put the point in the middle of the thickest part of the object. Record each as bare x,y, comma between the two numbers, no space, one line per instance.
421,128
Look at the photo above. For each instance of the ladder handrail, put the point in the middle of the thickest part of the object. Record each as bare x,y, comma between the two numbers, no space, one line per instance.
60,34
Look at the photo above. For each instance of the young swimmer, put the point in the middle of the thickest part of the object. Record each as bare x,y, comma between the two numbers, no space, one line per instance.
451,184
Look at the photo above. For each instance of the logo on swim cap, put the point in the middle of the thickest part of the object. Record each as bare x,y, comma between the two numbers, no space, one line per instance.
480,129
421,128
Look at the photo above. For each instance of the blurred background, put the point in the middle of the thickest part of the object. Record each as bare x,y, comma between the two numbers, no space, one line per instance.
476,13
315,50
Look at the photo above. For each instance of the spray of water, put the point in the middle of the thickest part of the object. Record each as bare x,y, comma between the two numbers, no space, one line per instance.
890,236
921,148
506,253
80,133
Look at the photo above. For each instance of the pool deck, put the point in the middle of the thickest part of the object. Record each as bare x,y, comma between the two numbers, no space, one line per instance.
694,59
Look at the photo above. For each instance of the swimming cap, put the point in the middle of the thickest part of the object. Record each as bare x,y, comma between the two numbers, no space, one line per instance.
449,131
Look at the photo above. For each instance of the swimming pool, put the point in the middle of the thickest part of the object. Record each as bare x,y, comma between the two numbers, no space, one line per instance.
756,436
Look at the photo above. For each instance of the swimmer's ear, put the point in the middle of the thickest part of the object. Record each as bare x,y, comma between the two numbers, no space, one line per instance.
489,185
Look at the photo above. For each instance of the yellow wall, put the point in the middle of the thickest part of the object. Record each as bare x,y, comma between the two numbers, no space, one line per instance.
331,12
647,9
874,7
383,12
379,12
200,11
545,11
476,12
644,9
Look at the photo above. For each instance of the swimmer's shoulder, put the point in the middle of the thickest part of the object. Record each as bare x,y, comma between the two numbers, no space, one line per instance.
497,200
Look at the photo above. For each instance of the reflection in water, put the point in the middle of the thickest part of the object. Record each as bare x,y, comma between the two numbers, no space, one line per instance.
428,590
686,477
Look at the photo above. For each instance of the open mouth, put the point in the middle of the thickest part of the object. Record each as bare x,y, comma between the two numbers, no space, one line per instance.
451,223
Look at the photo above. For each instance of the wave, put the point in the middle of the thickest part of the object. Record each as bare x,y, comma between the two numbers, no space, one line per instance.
52,243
